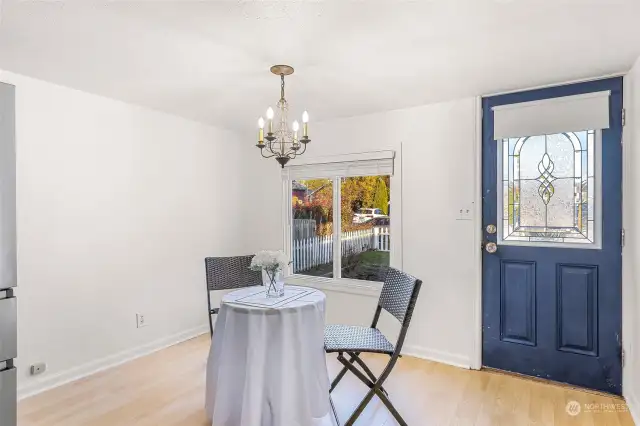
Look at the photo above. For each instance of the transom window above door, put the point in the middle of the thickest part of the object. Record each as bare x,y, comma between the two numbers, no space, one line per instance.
550,188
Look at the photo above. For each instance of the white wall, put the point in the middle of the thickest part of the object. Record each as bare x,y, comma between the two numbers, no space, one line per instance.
439,178
117,207
631,253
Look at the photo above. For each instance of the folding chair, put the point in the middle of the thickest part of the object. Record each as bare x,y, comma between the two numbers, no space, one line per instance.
398,297
227,273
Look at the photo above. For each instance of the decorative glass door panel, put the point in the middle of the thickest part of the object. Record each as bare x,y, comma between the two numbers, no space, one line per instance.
549,189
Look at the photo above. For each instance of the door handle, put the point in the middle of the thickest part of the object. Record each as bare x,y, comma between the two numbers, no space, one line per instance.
490,247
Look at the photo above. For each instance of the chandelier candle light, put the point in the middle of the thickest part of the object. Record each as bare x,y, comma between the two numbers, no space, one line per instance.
282,143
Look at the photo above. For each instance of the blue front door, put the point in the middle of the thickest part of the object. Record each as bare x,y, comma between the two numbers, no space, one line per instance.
552,287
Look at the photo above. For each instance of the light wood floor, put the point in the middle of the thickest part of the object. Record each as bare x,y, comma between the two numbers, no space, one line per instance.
167,388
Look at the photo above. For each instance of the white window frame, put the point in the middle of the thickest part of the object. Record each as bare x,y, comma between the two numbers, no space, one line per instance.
337,163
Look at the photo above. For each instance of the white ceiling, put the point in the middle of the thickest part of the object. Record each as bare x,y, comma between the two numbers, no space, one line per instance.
209,60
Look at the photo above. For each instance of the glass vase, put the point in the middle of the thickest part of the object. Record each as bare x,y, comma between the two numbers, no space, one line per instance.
274,283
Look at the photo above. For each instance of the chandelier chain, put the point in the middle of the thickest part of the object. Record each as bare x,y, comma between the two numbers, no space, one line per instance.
282,86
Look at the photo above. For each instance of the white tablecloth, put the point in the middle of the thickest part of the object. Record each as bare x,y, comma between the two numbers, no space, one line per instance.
267,365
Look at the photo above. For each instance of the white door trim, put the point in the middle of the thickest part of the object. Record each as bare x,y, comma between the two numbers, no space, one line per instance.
476,355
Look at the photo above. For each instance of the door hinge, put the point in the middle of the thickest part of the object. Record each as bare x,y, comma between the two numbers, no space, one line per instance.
622,357
624,117
622,238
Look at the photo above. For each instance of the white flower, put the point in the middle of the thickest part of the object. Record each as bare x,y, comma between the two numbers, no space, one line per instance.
269,260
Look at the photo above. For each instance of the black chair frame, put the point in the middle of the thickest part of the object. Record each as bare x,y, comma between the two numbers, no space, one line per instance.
227,273
212,311
375,384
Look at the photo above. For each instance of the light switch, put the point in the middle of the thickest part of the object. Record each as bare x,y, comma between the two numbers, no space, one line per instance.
465,213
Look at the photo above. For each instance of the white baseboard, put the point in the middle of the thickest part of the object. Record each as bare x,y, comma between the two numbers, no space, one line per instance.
92,367
634,406
438,356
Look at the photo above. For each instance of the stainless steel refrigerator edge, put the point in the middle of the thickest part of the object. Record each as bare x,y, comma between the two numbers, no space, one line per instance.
8,277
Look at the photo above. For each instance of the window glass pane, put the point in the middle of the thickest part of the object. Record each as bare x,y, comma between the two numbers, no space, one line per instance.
561,209
549,188
591,142
365,240
563,156
529,152
312,227
587,195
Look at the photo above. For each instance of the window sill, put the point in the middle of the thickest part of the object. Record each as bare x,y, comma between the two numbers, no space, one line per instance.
342,285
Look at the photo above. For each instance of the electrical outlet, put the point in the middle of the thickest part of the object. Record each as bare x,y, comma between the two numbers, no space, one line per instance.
141,320
38,368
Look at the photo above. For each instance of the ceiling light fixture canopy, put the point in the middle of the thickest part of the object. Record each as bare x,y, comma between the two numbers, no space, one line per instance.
282,143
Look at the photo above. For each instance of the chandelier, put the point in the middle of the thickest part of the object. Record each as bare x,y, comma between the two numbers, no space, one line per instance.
282,143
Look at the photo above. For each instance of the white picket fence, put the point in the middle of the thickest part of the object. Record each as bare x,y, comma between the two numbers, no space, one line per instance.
381,238
356,241
311,252
318,250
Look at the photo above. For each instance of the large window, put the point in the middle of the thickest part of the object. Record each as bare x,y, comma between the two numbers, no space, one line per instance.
340,226
312,227
365,237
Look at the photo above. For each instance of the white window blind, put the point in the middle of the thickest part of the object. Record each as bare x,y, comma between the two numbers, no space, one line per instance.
363,164
550,116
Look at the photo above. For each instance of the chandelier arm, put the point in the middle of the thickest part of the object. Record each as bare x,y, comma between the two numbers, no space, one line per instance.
266,156
297,152
271,149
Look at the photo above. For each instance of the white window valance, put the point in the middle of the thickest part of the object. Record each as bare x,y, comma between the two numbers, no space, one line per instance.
549,116
361,164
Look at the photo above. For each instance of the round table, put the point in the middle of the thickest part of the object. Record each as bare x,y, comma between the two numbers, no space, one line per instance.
267,365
